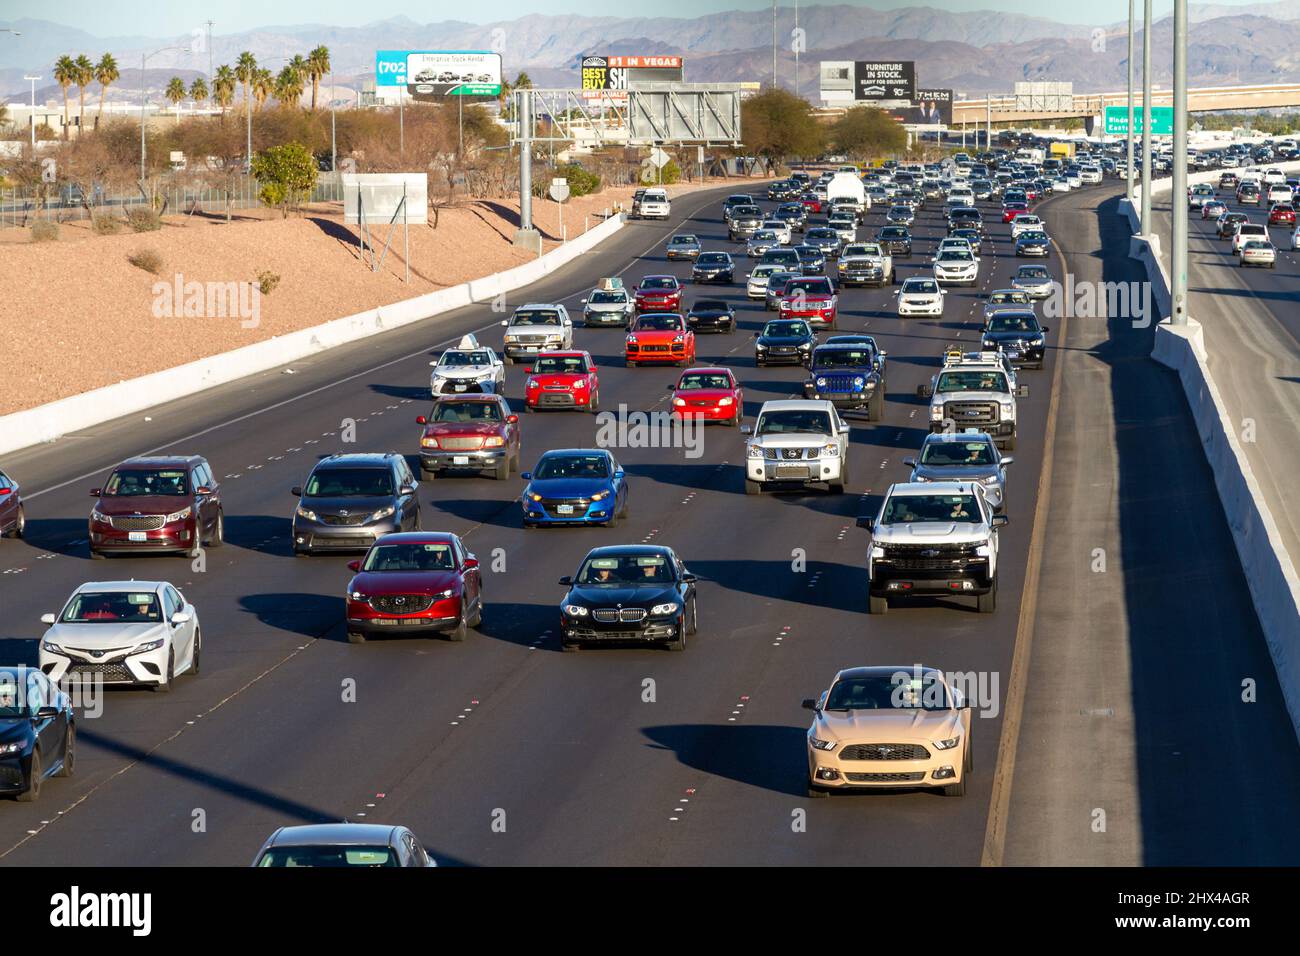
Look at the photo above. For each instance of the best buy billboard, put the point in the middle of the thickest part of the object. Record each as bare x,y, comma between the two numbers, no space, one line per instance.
429,74
1162,121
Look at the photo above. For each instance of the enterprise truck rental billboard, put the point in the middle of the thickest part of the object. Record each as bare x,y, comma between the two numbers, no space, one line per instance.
431,74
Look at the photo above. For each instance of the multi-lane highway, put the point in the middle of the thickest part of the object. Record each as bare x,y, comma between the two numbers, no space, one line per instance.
501,750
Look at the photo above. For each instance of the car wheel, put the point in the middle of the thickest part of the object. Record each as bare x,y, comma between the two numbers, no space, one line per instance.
968,758
514,463
955,789
877,605
218,531
96,555
69,754
594,404
679,642
752,487
630,364
356,637
165,686
1010,443
695,618
508,360
460,631
987,602
36,777
816,791
569,647
502,471
20,524
613,519
876,408
198,652
477,619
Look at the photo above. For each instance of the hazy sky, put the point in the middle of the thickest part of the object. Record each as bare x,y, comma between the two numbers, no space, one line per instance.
175,17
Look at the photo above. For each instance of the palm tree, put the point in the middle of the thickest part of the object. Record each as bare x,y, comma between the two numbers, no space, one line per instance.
85,76
318,65
263,86
105,73
523,82
504,97
198,90
246,70
223,87
175,92
289,86
65,73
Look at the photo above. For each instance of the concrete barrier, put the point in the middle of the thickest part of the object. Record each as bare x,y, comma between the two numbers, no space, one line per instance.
46,423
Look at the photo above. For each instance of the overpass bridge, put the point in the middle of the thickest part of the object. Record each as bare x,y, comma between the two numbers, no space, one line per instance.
1004,109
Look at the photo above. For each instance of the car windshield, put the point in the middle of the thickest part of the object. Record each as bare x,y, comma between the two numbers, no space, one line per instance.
710,305
1032,272
764,235
536,317
560,365
465,412
1033,236
859,250
1257,245
821,233
784,329
841,358
119,607
957,453
607,298
794,420
905,509
703,380
660,282
572,466
748,211
329,856
893,232
409,557
813,286
465,358
762,272
349,483
658,323
713,259
1012,298
134,483
914,286
952,254
625,569
684,241
1003,322
901,691
808,253
777,280
985,380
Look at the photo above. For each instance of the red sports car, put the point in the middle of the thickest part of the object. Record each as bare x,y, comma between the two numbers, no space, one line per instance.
662,337
812,204
414,582
1281,215
709,394
659,294
1013,209
562,380
811,298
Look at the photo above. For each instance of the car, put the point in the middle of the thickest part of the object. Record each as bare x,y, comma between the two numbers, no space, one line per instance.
467,368
575,486
824,238
475,432
776,282
38,732
708,394
1247,231
796,443
1282,214
537,327
734,201
1060,185
900,215
658,293
743,222
975,395
1034,280
1000,299
1032,243
782,229
1227,224
414,582
895,240
811,202
1295,239
948,456
866,263
654,204
350,500
714,267
920,296
1199,194
956,266
683,247
635,593
784,340
847,376
812,261
608,304
712,315
1248,194
889,728
1257,252
761,241
783,256
1281,193
845,225
13,516
563,379
793,214
933,538
659,337
1213,209
756,281
964,217
141,633
812,298
1026,222
1016,333
160,503
1228,180
343,845
974,238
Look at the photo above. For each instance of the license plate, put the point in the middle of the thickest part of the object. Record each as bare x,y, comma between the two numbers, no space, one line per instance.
970,430
460,388
137,536
460,459
564,509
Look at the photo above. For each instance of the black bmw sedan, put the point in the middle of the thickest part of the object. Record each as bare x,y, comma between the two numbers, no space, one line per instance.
37,732
629,593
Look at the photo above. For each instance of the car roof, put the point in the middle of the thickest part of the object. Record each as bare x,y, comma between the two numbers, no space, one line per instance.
335,834
468,397
708,369
363,458
122,586
416,537
160,461
564,353
540,305
613,549
556,452
882,670
909,488
935,438
796,404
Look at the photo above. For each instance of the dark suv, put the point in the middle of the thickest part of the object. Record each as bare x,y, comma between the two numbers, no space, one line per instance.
350,500
846,375
157,503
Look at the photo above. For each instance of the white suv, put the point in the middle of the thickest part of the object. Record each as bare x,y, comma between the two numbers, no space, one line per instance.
654,205
538,327
799,442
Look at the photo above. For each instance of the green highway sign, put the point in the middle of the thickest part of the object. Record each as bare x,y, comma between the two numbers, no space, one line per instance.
1162,121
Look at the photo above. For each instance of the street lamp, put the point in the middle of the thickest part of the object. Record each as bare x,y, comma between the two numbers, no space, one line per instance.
1128,170
1146,118
334,151
33,80
1178,262
145,58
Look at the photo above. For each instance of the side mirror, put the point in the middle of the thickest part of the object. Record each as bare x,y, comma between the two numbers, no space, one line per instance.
528,370
999,521
180,617
470,562
1022,391
1044,329
866,522
95,492
620,473
421,420
746,430
567,580
671,387
505,322
809,704
924,391
47,713
433,363
584,302
296,491
47,618
910,461
689,578
512,419
525,475
354,565
406,490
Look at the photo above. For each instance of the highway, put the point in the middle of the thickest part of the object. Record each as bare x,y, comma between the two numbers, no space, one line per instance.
501,750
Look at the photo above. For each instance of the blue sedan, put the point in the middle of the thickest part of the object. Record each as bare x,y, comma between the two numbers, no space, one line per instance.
575,486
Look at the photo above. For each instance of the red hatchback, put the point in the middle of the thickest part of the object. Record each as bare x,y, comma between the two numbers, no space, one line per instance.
562,380
811,298
414,582
709,394
161,503
659,294
660,338
1013,209
1281,215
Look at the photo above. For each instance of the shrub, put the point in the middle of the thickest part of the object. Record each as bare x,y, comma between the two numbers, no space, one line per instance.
671,173
287,174
147,259
141,219
105,225
45,231
267,281
582,181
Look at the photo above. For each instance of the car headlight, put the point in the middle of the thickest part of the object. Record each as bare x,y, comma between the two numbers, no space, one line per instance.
831,451
306,513
52,648
936,413
600,495
6,749
859,381
755,451
179,515
493,441
357,596
384,512
531,383
97,515
449,592
580,383
631,340
818,744
574,610
761,347
424,443
805,345
533,496
726,401
681,402
678,339
947,744
821,383
1008,411
659,610
150,646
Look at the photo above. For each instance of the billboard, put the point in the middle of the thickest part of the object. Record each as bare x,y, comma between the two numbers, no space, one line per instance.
431,74
615,75
845,81
930,108
1162,121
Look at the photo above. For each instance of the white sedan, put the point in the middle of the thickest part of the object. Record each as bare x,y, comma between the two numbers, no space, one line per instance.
123,632
469,367
920,297
957,266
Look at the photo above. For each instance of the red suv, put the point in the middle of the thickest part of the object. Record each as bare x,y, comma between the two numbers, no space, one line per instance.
811,298
1281,215
660,338
160,503
414,582
477,432
562,380
659,294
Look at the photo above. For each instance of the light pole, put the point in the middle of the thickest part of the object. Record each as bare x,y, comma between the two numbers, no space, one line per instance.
1128,171
773,44
1146,117
33,80
334,148
1178,261
145,58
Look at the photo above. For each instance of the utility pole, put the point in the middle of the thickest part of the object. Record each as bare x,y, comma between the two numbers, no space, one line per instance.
1178,260
210,23
33,80
1128,172
798,42
1146,117
526,236
773,44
